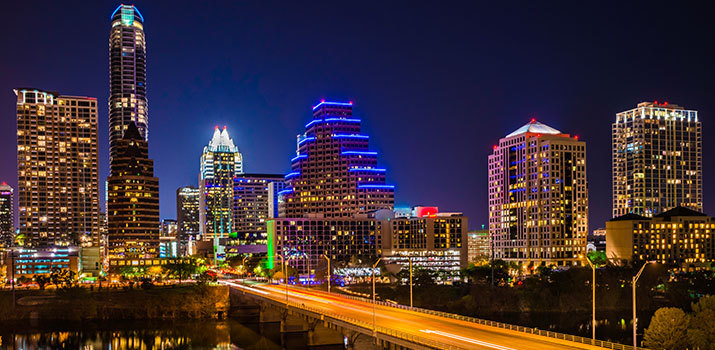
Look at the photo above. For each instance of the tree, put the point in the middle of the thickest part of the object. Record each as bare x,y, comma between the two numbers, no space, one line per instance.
42,281
182,270
598,258
701,334
62,277
667,330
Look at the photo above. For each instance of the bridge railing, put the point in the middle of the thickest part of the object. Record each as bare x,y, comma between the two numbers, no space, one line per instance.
528,330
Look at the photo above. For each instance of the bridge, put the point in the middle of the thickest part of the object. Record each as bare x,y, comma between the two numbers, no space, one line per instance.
394,326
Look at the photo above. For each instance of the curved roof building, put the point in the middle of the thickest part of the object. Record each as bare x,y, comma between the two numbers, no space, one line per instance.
127,75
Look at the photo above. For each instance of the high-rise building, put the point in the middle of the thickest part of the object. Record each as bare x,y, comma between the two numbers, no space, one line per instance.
657,159
169,228
478,245
538,203
57,163
127,76
133,200
7,219
187,216
168,245
221,161
252,203
334,174
304,241
680,236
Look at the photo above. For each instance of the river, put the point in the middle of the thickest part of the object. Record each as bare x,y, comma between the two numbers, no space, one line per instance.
196,334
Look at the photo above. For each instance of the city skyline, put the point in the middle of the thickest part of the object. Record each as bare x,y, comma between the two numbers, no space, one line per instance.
279,114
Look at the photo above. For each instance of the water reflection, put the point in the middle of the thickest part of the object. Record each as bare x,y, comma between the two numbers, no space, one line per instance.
199,334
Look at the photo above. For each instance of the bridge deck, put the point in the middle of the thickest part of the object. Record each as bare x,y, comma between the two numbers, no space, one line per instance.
426,329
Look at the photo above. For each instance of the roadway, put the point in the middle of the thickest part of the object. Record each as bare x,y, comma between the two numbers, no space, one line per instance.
450,331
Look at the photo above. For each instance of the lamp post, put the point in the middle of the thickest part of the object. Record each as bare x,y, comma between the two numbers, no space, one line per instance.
245,271
593,300
374,331
328,259
410,260
635,319
12,267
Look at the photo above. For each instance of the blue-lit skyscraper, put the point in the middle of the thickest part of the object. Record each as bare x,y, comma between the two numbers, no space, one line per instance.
334,173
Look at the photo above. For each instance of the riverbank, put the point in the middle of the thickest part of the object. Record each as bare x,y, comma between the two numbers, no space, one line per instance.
81,304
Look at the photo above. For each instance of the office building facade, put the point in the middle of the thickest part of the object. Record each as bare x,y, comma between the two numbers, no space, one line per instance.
478,246
58,174
221,161
334,174
538,202
437,241
678,237
7,218
133,200
30,262
657,159
187,216
304,241
127,76
253,201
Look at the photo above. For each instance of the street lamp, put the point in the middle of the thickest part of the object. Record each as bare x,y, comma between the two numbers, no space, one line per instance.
635,320
328,259
593,298
374,331
245,270
410,260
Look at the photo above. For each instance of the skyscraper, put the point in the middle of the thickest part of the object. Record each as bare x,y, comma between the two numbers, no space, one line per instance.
127,76
657,160
7,220
221,161
334,174
538,203
187,216
133,200
252,203
57,161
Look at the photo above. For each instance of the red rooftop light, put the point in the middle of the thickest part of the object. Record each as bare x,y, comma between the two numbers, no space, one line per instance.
495,147
533,120
4,183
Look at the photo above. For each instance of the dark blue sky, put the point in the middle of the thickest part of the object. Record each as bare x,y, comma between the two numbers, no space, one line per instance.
436,83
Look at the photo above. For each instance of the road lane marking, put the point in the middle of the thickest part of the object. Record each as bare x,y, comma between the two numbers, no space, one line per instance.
469,340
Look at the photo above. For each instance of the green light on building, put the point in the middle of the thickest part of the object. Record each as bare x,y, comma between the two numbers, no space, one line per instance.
271,247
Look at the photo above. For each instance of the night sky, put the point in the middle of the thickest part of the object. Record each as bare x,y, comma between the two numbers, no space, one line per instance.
436,83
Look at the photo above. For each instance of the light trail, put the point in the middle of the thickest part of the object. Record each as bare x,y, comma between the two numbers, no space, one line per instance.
253,290
469,340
